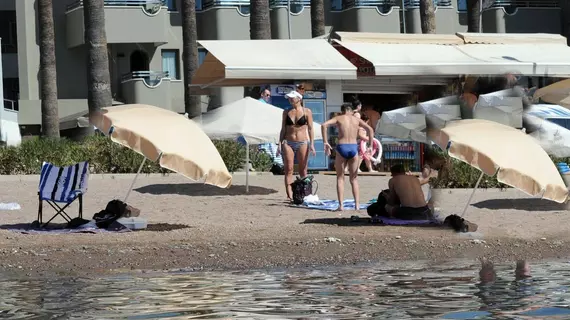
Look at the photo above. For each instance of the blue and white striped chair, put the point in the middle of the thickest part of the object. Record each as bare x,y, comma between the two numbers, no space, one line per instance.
62,185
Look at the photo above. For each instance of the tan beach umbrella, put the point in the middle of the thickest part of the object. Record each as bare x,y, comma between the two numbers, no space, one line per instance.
517,159
171,139
556,93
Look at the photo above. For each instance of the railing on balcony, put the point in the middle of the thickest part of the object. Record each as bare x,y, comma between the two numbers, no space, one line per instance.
526,3
296,5
11,105
242,5
121,3
151,78
437,3
383,6
462,4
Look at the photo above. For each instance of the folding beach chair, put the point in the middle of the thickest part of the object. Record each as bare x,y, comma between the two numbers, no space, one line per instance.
62,185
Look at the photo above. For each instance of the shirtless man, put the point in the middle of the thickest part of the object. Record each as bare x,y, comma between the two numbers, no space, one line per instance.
406,199
346,150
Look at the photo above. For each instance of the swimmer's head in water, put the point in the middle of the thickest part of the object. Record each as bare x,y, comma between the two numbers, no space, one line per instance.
345,108
397,169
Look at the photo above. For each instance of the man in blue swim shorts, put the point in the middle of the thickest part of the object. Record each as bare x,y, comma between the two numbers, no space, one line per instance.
346,150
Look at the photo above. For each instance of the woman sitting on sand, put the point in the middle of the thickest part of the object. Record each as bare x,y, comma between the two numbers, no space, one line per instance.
296,139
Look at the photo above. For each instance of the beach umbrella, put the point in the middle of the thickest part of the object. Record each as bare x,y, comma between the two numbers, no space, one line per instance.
515,157
168,138
405,123
440,111
553,138
556,93
250,120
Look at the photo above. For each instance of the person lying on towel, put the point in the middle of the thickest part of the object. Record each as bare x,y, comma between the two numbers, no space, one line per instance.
405,197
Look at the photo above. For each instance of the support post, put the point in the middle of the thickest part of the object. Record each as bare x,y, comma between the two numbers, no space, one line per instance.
472,194
246,166
289,19
134,180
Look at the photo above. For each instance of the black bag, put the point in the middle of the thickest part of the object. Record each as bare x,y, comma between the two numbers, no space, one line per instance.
277,169
115,210
379,207
302,188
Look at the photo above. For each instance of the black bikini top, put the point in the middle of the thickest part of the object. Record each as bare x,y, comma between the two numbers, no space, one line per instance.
300,122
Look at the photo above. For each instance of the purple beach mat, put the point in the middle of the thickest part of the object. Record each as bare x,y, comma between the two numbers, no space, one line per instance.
398,222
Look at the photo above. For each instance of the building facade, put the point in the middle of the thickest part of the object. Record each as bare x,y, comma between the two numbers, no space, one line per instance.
145,42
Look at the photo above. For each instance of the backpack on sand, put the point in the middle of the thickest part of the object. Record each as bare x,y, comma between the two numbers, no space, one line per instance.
378,208
302,188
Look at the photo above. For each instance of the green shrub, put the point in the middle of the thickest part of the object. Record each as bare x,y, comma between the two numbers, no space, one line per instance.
105,156
233,154
458,174
260,161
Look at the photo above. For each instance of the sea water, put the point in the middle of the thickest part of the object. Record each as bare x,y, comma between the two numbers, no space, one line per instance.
411,290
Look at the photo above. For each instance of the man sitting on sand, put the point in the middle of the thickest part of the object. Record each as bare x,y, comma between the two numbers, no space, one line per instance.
346,150
406,199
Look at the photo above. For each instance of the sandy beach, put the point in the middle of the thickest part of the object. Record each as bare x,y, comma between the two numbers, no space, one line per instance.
198,227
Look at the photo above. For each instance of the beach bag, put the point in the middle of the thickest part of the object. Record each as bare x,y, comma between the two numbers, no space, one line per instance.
114,210
302,188
378,208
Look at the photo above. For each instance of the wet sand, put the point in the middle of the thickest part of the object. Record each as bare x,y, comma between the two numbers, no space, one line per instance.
198,227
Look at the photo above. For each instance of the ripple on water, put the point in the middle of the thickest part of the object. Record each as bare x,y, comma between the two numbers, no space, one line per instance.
414,291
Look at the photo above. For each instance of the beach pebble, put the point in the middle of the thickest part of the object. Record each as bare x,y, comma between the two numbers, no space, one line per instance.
332,239
542,239
398,237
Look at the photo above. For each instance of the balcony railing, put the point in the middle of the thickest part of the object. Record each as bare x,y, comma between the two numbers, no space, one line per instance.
122,3
437,3
526,3
151,78
242,5
462,4
283,3
382,5
11,105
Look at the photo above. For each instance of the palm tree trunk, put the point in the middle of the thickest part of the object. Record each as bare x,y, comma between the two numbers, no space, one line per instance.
192,103
317,18
259,21
427,16
473,12
48,73
98,77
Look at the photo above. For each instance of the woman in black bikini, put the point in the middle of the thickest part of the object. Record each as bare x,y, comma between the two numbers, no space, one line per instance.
296,138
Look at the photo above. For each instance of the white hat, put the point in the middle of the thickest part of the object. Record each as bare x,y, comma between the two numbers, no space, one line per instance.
294,94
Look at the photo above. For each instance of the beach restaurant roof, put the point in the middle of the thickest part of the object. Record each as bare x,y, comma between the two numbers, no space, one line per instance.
242,62
255,62
462,53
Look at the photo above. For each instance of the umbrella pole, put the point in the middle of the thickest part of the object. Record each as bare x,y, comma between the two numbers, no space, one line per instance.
134,180
246,167
472,194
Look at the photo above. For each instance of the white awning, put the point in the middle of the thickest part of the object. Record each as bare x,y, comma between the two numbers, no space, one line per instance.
243,62
477,59
545,60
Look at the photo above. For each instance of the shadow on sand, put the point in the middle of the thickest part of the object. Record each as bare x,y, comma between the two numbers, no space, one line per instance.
202,190
519,204
349,222
154,227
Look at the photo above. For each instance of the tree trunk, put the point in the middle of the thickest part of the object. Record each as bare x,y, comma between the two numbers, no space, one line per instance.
427,16
192,103
98,77
317,18
48,73
473,12
259,23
